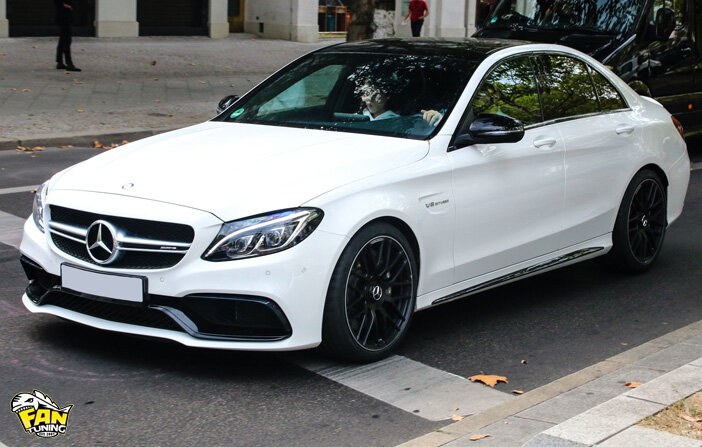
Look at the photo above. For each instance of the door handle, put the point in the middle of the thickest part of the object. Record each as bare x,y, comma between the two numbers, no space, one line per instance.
545,143
624,129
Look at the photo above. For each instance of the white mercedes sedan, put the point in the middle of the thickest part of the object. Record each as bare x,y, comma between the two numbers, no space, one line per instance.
357,185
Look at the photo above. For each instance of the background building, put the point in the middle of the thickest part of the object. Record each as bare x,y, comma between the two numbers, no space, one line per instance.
297,20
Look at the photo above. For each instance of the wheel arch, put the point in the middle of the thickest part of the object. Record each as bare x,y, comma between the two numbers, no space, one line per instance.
658,170
406,231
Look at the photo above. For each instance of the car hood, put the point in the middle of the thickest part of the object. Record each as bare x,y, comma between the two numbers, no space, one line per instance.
238,170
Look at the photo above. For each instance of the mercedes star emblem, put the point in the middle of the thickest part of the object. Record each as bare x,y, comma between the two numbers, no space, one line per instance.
101,242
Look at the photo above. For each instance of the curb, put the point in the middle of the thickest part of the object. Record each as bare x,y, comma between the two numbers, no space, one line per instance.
610,419
82,138
471,424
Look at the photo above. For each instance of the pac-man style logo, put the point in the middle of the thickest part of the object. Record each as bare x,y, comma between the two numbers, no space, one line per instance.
40,415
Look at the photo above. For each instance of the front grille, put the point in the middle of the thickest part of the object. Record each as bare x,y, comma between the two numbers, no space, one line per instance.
148,252
141,316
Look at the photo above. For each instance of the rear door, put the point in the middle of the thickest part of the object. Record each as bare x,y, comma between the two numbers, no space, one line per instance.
509,196
598,131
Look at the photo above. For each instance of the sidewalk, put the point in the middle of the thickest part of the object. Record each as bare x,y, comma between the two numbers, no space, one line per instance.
592,407
121,91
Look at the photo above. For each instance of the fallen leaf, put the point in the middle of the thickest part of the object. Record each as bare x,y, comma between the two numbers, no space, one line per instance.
38,148
192,64
203,82
457,418
478,436
633,384
157,100
26,89
524,362
124,142
488,380
691,419
13,89
33,191
518,391
23,149
97,144
63,88
624,344
77,82
67,72
111,146
153,62
81,110
155,79
455,409
66,146
228,67
3,54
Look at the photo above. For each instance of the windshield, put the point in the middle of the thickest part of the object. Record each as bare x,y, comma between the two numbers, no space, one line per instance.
596,16
395,95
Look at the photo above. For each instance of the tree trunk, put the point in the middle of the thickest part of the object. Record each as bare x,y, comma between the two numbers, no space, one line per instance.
362,24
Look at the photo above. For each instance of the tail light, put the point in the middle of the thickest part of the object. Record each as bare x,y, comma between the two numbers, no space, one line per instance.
678,126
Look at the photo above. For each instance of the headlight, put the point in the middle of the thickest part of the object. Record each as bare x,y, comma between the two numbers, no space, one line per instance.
38,207
263,235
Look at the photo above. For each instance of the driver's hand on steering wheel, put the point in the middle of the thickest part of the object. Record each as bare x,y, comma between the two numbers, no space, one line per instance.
432,117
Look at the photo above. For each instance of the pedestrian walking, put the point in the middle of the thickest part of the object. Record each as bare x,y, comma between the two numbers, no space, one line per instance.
64,19
417,11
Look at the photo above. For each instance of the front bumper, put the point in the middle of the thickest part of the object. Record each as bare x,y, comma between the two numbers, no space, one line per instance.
273,302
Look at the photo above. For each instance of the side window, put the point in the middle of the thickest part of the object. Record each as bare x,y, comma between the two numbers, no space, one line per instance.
608,95
311,91
510,89
566,89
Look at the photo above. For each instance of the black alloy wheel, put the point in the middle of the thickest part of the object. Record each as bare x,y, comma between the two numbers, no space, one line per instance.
371,296
641,224
647,221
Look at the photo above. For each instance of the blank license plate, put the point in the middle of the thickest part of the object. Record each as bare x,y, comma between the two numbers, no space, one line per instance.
117,287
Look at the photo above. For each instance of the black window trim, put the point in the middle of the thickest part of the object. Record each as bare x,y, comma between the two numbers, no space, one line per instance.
530,55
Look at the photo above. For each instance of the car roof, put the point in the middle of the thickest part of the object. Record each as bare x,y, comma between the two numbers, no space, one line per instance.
475,49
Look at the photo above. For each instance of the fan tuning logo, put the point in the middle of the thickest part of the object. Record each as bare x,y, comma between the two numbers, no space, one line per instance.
101,242
40,415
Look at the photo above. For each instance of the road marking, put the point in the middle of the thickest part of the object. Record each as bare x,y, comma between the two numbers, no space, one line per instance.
2,445
15,190
11,228
411,386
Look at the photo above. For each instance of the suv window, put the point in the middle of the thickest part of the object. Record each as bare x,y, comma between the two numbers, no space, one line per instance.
510,89
565,86
608,95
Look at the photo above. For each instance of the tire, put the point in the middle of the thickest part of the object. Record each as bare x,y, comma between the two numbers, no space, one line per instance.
641,224
371,296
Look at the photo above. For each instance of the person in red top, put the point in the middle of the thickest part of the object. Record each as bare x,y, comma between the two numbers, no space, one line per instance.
417,11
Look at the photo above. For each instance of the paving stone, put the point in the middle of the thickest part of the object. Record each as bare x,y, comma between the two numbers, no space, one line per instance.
671,387
672,357
565,406
514,433
614,384
647,437
694,340
543,440
604,420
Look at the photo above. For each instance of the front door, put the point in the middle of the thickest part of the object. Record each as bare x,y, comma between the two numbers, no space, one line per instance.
509,197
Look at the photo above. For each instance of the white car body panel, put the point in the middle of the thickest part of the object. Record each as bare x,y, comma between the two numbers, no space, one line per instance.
473,211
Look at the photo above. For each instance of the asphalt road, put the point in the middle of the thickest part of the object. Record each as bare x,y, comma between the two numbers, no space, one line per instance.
132,391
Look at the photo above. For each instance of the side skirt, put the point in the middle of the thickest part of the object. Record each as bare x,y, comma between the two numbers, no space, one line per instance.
532,269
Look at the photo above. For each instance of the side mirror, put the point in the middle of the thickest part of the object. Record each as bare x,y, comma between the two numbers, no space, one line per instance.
490,128
665,23
225,102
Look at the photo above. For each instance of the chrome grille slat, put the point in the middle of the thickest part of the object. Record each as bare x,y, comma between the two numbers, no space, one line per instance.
69,231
